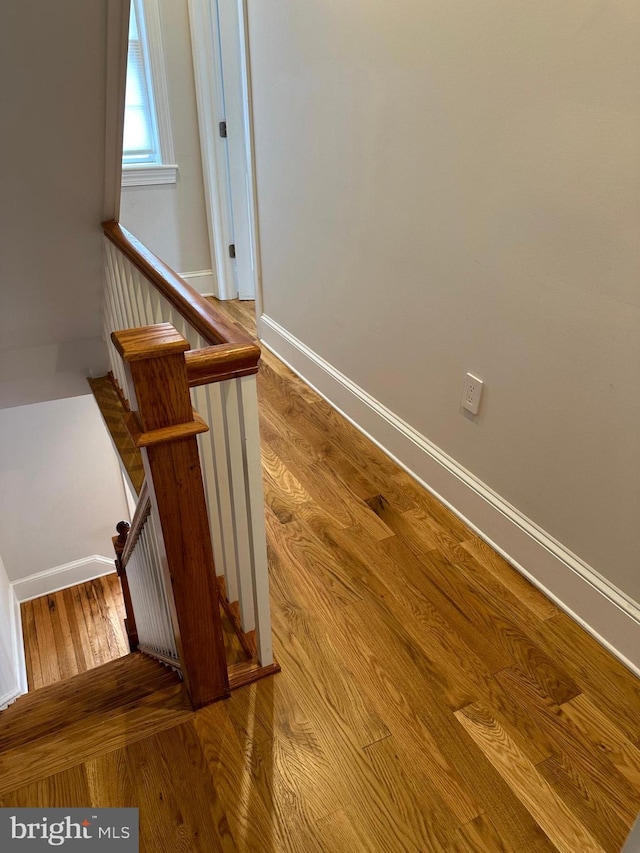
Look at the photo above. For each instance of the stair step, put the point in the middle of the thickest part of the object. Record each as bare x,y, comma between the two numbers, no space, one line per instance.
105,690
112,410
85,741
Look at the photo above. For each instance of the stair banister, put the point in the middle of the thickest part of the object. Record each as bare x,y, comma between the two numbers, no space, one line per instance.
221,365
119,542
165,427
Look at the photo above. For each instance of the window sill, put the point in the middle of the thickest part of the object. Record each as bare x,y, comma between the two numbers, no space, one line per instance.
143,176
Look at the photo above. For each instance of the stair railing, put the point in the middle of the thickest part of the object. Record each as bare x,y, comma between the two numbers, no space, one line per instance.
167,557
221,363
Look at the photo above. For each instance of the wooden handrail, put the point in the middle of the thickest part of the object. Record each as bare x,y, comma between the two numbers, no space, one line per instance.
120,545
236,353
137,523
215,364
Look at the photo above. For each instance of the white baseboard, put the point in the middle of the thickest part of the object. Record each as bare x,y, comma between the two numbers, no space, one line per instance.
9,698
61,577
606,612
201,280
20,662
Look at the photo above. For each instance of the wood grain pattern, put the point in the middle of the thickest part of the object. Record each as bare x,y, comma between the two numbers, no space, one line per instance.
62,630
113,413
560,824
429,699
66,724
219,363
198,312
174,479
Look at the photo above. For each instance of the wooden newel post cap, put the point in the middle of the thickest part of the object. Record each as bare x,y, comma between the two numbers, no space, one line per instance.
149,342
155,355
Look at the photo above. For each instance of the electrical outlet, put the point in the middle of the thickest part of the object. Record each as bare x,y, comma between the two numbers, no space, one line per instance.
472,393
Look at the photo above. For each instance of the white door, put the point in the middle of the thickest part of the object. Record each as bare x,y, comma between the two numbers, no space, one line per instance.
217,31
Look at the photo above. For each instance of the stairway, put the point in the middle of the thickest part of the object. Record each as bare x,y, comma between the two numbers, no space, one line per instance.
63,724
113,411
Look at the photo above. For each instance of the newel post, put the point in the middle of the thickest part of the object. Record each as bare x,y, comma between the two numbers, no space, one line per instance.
119,543
165,428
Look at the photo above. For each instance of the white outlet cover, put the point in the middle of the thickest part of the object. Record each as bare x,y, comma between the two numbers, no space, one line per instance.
472,393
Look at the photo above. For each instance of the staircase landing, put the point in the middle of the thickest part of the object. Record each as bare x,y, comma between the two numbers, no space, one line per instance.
63,724
73,630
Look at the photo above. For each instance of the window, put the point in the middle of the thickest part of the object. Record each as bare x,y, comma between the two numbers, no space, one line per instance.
147,147
141,144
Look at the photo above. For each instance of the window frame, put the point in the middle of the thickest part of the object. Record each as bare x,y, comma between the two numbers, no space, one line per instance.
150,33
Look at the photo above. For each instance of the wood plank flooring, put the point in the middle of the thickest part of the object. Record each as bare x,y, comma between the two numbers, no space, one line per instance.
430,699
73,630
82,627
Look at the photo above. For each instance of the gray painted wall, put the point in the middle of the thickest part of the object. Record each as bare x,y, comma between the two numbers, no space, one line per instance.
171,219
53,72
454,188
62,492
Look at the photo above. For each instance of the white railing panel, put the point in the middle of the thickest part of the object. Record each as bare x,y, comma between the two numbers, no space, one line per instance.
258,538
231,470
129,317
236,461
215,417
148,594
205,449
140,284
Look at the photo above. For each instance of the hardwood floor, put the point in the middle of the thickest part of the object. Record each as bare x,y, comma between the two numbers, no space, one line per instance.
430,698
82,627
73,630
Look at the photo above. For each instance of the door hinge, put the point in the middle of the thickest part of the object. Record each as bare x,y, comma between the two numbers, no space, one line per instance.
232,250
223,129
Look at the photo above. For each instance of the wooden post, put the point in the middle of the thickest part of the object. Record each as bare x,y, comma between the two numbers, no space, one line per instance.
119,543
165,428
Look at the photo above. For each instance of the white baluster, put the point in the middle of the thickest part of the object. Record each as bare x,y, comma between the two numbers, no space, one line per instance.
216,420
235,450
255,494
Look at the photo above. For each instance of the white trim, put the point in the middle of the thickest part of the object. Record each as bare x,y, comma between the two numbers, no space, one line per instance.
159,88
144,176
209,100
201,280
234,82
252,186
18,645
116,73
606,612
19,664
255,513
61,577
9,698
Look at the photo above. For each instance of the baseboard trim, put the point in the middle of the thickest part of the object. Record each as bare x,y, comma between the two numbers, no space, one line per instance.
19,665
201,280
20,662
607,613
61,577
9,698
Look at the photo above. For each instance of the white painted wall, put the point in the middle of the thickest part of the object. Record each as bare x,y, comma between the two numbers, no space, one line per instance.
171,219
453,187
61,487
11,655
54,77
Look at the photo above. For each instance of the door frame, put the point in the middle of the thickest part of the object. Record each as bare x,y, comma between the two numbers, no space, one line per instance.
206,35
